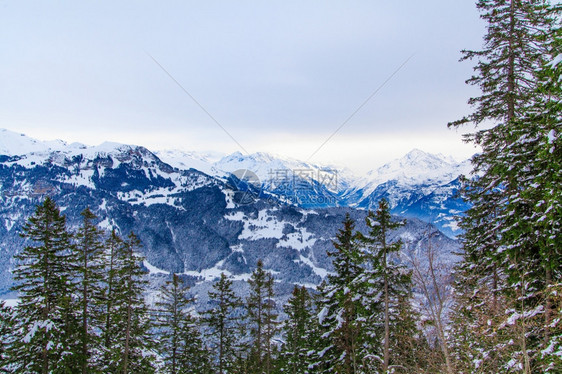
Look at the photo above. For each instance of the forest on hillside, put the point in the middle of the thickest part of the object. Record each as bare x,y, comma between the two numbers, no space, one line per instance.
81,293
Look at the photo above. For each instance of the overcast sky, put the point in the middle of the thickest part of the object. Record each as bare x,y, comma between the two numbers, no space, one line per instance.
278,76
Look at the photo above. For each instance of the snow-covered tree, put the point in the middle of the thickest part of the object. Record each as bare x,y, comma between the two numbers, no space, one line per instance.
387,298
180,343
341,313
6,335
128,342
262,320
223,322
506,250
89,269
46,325
299,331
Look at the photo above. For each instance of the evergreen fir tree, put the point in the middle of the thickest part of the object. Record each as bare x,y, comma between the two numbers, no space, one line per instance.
7,318
262,319
503,239
112,259
298,331
341,312
195,357
223,322
180,343
47,324
172,314
89,269
128,342
539,146
388,294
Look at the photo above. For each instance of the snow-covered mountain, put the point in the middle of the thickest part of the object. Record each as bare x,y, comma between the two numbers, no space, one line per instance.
187,220
419,185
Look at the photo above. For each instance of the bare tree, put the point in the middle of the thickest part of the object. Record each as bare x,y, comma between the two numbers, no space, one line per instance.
432,278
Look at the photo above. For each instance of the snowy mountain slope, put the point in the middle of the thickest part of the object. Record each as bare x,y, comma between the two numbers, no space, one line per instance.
191,160
418,185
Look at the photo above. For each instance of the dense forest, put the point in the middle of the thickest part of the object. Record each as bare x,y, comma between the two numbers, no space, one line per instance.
82,305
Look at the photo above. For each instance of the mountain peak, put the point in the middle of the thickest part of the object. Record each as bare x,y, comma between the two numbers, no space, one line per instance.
16,144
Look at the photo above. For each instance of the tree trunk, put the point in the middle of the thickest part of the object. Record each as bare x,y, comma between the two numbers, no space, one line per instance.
386,312
85,317
511,66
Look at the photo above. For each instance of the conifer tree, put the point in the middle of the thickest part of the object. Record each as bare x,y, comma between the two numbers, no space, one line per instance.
172,314
128,342
541,187
262,319
299,332
47,323
389,287
112,260
223,322
195,358
503,239
89,268
7,318
341,312
180,343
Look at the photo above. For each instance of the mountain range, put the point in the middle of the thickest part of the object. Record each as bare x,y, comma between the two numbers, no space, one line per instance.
187,211
419,185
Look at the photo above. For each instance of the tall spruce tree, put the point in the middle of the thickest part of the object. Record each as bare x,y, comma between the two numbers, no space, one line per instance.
540,148
128,342
341,315
7,318
47,324
262,319
502,244
89,269
112,260
299,332
223,322
180,343
172,314
389,290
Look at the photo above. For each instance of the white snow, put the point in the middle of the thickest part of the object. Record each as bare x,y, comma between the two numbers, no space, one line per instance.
551,136
191,160
264,227
556,61
215,272
11,302
417,168
153,269
298,240
317,270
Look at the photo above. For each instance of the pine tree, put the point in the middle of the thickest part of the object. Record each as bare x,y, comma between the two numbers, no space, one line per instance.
223,322
299,332
195,357
541,149
88,266
7,319
172,314
341,311
112,260
389,288
127,338
47,323
262,319
503,241
180,343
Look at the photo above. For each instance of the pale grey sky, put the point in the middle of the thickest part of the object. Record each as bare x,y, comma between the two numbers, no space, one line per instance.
279,76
